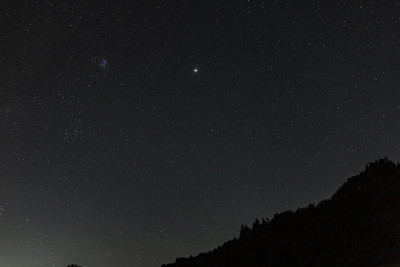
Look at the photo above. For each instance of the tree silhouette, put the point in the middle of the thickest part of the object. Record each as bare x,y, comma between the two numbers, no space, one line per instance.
244,230
256,223
358,226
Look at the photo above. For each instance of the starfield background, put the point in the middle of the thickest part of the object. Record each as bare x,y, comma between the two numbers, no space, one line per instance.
135,132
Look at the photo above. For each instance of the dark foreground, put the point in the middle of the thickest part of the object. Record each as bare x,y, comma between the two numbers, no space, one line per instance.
358,226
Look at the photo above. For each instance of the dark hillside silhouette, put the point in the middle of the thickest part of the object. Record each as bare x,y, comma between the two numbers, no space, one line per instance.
358,226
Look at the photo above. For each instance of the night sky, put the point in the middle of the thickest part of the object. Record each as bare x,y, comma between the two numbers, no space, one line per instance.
135,132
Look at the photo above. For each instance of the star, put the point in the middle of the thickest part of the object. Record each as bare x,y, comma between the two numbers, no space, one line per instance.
195,70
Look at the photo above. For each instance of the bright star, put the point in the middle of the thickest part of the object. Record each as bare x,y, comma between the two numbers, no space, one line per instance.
195,70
